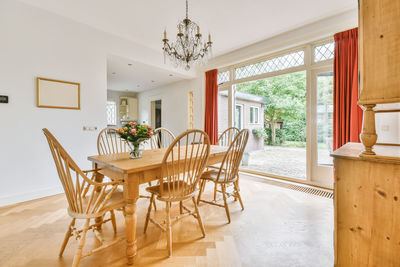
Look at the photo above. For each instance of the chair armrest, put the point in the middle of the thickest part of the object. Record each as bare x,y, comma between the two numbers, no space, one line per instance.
91,181
94,170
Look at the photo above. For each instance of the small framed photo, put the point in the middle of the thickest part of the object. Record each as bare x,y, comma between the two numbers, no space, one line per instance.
124,102
58,94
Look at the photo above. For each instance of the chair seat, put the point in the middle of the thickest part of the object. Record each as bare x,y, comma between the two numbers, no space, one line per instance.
116,201
177,188
212,175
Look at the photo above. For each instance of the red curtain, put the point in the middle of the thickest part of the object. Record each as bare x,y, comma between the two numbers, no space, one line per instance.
211,115
347,115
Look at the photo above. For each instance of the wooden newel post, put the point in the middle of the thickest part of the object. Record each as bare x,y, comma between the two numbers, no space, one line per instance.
368,135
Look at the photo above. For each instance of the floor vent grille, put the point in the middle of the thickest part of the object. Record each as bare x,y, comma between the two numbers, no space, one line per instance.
310,190
302,188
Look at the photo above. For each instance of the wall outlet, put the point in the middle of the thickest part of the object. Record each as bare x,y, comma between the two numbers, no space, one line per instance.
90,128
4,99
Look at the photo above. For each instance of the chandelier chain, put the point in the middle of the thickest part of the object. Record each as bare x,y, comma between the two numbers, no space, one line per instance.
187,10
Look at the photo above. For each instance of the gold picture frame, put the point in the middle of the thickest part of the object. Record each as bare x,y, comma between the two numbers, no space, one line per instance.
58,94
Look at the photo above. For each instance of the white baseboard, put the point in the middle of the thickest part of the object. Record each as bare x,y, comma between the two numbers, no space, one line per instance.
17,198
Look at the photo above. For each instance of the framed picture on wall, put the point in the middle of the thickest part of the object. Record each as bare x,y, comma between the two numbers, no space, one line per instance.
58,94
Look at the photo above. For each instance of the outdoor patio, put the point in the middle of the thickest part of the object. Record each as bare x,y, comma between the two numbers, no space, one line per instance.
282,161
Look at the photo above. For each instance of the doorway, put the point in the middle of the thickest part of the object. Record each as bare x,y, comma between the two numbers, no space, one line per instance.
156,114
321,125
274,110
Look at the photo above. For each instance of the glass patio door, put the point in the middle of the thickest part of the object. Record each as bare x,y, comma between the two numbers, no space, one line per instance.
322,126
274,111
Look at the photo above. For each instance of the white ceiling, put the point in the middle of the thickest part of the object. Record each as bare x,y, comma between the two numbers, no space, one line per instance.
127,75
233,24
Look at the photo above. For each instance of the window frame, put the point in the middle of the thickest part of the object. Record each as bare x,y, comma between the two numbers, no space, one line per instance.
254,113
309,67
220,72
309,64
320,43
114,104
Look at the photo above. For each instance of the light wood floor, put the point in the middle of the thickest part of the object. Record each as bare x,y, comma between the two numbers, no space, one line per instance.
279,227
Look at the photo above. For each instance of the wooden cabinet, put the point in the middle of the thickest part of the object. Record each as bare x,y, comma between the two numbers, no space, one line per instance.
379,36
128,109
133,108
367,182
379,61
367,207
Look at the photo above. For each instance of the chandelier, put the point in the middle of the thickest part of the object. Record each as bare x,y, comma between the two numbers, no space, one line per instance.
189,48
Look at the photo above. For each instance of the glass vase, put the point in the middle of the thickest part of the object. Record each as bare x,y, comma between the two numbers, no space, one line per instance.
136,150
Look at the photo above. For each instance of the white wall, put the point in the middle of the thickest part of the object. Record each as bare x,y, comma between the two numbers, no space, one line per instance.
174,105
36,43
388,127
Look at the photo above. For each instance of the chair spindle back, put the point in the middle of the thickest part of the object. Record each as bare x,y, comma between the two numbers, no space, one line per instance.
229,168
76,184
183,164
226,138
162,138
109,142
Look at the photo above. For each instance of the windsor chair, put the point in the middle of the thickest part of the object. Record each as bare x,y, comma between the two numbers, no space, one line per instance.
225,139
227,172
181,168
109,142
227,136
87,199
162,138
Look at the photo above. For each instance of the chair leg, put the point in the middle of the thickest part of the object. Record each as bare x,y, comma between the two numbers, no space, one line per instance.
235,184
78,254
199,217
154,200
215,192
154,204
67,236
148,213
114,223
204,185
201,187
180,207
225,202
235,198
169,230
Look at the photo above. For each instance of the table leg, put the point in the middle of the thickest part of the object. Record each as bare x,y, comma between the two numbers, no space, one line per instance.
131,194
99,179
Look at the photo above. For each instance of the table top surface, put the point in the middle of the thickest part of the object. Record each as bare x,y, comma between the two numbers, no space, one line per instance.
150,159
384,153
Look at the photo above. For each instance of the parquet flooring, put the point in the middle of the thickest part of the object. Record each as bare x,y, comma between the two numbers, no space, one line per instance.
279,227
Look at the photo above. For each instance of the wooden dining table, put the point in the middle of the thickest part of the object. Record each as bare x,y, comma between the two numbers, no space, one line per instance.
134,172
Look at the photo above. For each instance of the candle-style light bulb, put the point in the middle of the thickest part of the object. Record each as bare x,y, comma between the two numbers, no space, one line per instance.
180,29
198,29
209,38
165,34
